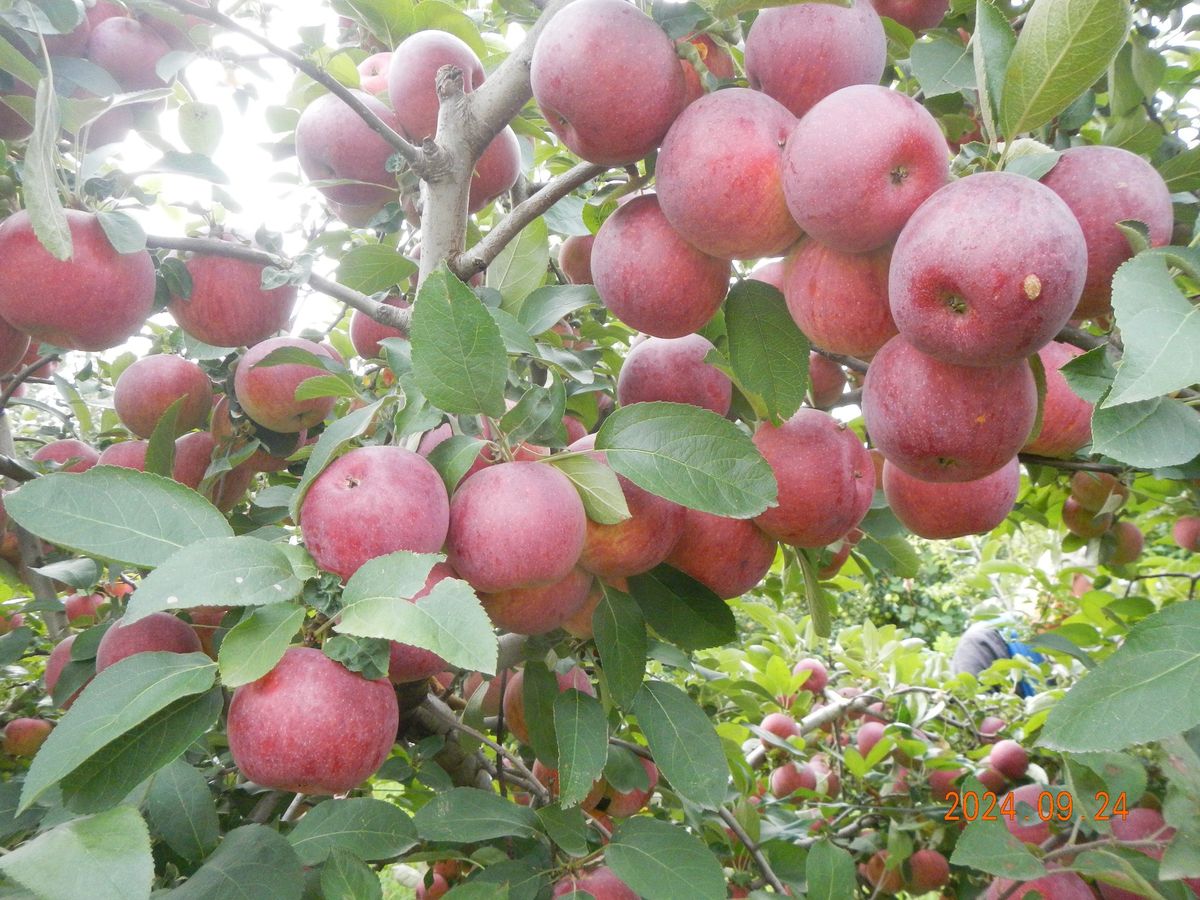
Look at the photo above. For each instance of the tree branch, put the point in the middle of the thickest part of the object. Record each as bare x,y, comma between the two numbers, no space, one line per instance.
475,260
393,316
396,141
1074,465
760,859
20,378
854,364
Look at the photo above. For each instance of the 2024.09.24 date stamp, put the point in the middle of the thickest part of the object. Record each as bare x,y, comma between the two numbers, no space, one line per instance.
1051,806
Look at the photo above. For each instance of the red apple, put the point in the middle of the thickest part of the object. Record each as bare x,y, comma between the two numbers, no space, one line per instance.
791,777
601,883
801,53
915,15
869,734
1096,490
1024,824
883,879
370,502
412,78
13,347
373,72
943,781
311,726
942,422
1009,759
334,143
991,726
826,381
623,804
1128,543
77,454
1066,417
1057,886
538,610
818,676
607,80
267,394
674,370
82,609
858,165
23,737
1084,522
193,454
942,510
126,455
715,58
1186,533
648,276
929,871
95,300
366,334
129,51
719,175
575,258
1001,294
496,170
228,306
728,556
151,384
514,701
781,725
158,631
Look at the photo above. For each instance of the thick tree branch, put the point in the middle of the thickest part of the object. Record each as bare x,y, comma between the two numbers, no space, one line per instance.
475,260
382,313
396,141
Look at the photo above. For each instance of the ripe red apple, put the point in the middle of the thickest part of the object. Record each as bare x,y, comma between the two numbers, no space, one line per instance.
370,502
1057,886
799,54
437,888
719,175
579,624
790,777
1128,543
715,58
206,620
915,15
1084,522
151,384
55,663
674,370
942,510
840,300
23,737
13,126
366,334
818,676
1093,490
228,306
267,394
81,456
373,72
333,143
942,422
869,734
518,524
1066,417
623,804
538,610
779,724
496,170
1009,759
648,276
825,475
514,701
129,51
311,725
600,883
728,556
412,77
95,300
575,258
858,165
839,552
943,781
883,879
1003,294
607,80
1024,825
991,779
157,631
991,726
929,871
1142,824
81,609
1104,186
126,455
826,381
1186,533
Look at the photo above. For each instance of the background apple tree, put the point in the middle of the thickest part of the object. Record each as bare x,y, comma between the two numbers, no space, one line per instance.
586,489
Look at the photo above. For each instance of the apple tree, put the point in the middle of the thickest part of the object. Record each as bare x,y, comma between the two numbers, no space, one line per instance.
491,503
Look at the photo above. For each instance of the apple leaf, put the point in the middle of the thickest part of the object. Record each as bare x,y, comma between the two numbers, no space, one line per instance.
101,857
468,816
182,811
682,610
370,829
991,45
768,353
663,861
582,732
683,743
255,858
40,178
690,456
332,441
620,631
603,500
830,872
521,266
374,268
115,514
1148,434
545,307
255,644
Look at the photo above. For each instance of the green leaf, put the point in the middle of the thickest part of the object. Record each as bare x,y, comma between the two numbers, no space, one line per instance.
14,644
109,775
1063,48
192,164
389,20
516,341
537,416
120,515
16,64
521,265
683,743
987,846
566,828
459,360
1143,692
254,645
223,571
122,231
603,499
182,810
539,689
324,386
682,610
374,268
442,16
620,633
469,815
119,699
1160,329
830,872
369,657
369,828
1182,171
454,457
768,353
1090,374
662,861
448,621
40,177
102,857
160,451
689,455
346,877
942,65
582,733
1148,434
992,45
893,555
200,127
331,442
252,861
545,307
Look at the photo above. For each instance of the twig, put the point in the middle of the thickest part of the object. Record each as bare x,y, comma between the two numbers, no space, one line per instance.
19,378
265,807
1075,465
760,859
852,363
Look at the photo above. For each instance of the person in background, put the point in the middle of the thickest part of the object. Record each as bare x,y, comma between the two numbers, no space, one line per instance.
983,644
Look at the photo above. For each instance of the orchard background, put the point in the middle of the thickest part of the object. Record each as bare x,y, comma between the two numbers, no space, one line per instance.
563,455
